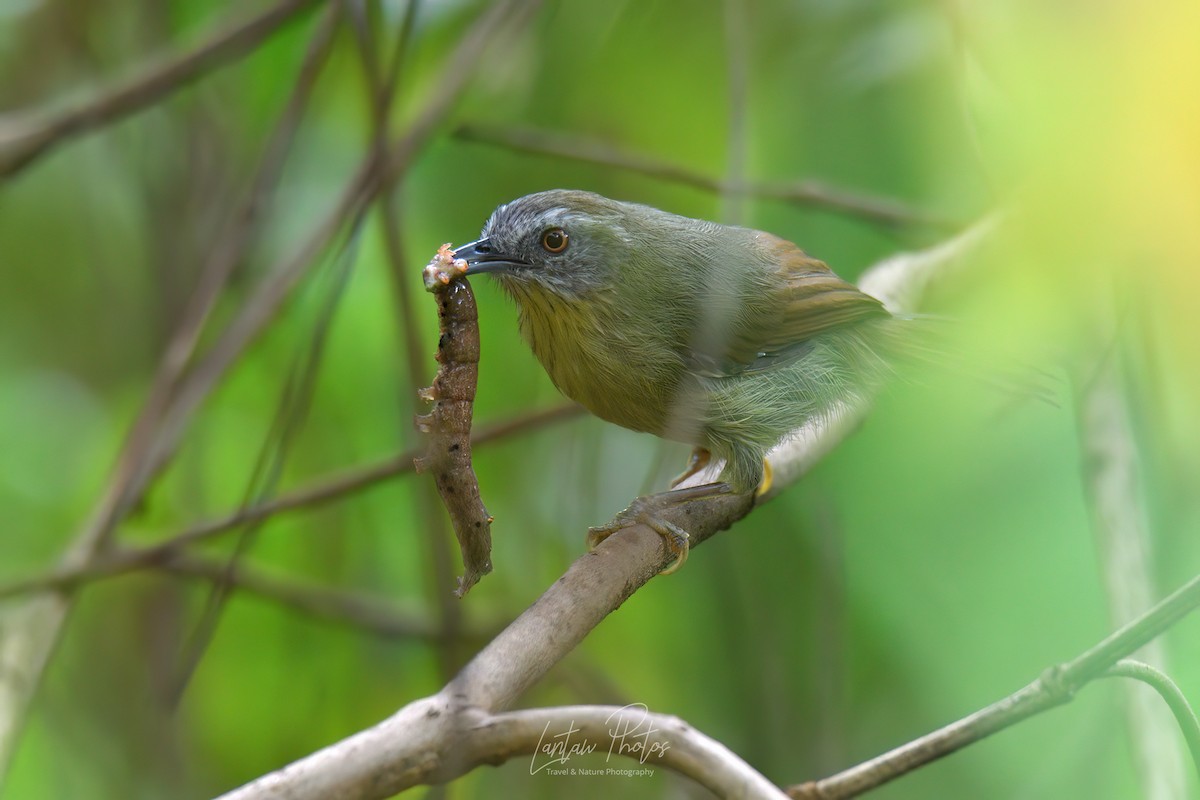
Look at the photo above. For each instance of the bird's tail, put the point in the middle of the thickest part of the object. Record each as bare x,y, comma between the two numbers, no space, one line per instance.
940,343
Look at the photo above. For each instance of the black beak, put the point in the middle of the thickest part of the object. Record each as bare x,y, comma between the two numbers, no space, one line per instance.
480,258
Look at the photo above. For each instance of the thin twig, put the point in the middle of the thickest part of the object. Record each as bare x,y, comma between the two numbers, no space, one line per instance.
27,649
1167,689
1056,686
319,492
879,210
252,319
128,478
737,68
23,138
33,633
359,191
328,604
290,416
382,89
1113,485
501,20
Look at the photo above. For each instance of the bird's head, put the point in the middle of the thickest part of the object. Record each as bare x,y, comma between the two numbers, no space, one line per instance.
568,243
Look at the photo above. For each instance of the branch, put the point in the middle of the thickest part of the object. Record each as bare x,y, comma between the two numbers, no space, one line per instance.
382,81
1055,687
26,137
436,739
883,211
319,602
319,492
400,751
1112,484
1157,680
631,731
32,630
737,71
373,173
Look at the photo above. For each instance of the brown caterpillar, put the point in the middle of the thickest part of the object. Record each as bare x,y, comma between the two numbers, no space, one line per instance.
448,424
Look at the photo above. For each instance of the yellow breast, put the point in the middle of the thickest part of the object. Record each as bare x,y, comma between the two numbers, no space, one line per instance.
579,344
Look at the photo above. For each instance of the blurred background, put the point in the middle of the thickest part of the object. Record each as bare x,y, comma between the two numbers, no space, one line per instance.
210,300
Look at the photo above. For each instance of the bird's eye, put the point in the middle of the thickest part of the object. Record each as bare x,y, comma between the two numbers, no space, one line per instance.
554,240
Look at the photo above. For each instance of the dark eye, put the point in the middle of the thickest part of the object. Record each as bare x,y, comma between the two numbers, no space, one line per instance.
555,240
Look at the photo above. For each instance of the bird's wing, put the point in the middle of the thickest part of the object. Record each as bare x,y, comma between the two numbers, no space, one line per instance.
801,298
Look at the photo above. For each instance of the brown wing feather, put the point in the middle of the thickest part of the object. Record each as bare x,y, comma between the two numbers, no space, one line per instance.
804,299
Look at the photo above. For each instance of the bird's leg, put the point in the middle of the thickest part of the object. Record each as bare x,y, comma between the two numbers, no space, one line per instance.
768,477
645,511
697,461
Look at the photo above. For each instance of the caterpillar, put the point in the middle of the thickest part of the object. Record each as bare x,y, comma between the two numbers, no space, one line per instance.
448,424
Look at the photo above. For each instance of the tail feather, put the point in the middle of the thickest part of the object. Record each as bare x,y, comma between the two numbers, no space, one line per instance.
931,341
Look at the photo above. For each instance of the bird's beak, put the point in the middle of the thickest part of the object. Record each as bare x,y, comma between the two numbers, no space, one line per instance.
481,257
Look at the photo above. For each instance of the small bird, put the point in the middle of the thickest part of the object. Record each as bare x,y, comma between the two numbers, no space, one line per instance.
721,337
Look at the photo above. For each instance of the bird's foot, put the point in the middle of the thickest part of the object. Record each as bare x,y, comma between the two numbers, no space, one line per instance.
698,460
646,511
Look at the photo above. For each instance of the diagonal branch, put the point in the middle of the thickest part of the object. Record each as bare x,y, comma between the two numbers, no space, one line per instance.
373,173
1055,687
737,71
24,138
382,83
319,492
328,604
880,210
31,631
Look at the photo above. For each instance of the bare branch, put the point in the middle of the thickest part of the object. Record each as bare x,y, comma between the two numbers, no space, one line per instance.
434,740
319,602
373,173
1056,686
1160,682
276,288
737,71
321,491
24,138
34,630
382,82
1112,481
879,210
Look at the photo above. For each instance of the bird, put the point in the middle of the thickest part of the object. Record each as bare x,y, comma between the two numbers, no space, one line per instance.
722,337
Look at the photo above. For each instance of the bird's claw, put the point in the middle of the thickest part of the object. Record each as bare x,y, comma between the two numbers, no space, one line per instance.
642,512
